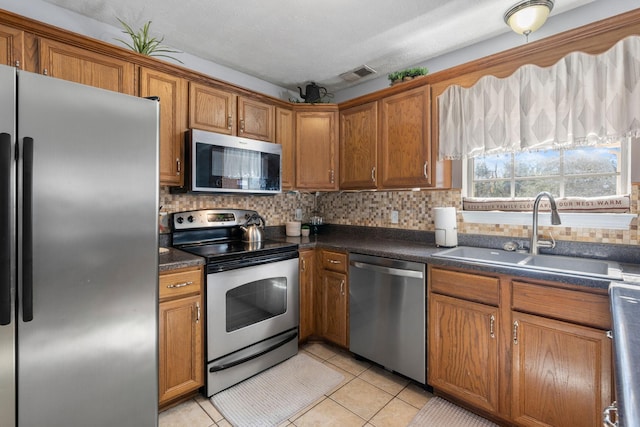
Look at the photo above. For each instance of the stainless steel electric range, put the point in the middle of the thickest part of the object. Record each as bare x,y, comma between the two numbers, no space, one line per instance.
251,294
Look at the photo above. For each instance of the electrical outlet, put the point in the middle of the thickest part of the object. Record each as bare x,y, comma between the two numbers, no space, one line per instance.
298,214
394,217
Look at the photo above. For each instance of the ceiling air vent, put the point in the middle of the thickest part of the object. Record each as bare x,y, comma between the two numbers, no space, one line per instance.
357,73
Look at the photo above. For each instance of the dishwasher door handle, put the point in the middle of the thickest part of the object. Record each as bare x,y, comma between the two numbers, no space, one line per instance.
387,270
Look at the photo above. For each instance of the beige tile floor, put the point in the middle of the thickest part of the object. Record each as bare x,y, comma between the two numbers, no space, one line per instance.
368,396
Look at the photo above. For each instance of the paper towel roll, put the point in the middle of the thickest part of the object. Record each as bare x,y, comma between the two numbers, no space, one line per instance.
445,218
446,227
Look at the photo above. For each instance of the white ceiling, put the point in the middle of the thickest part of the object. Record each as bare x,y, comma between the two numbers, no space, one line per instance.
292,42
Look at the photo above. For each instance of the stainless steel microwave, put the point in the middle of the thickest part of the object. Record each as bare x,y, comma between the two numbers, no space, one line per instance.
229,164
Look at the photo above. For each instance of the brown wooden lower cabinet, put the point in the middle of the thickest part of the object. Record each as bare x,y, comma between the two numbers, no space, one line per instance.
181,320
464,350
324,296
561,373
334,307
526,352
307,272
331,293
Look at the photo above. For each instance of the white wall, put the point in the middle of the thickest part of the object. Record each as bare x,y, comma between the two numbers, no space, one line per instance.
595,11
72,21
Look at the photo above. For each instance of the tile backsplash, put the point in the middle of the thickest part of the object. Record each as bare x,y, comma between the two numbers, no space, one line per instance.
373,209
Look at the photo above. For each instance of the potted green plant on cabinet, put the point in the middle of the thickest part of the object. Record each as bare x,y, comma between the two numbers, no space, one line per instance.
407,74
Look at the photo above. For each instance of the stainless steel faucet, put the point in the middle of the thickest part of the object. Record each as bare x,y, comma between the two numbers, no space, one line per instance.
555,220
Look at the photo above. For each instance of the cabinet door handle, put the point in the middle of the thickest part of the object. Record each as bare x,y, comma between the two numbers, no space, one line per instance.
607,418
241,125
331,176
197,312
304,265
17,64
342,287
45,72
178,166
179,285
492,324
424,170
373,174
334,261
515,332
229,122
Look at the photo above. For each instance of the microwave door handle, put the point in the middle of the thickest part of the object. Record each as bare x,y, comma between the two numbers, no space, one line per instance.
6,200
27,230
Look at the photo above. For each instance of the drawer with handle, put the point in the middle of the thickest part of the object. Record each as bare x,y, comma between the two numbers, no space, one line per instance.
180,282
334,261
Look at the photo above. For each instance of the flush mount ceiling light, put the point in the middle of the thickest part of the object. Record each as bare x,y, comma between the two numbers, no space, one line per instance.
527,16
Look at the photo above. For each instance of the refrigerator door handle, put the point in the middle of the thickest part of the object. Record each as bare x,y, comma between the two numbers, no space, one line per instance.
6,191
27,230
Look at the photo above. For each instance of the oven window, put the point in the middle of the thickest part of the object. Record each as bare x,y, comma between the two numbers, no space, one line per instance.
256,301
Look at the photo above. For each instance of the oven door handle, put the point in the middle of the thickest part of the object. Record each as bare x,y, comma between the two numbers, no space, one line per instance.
254,351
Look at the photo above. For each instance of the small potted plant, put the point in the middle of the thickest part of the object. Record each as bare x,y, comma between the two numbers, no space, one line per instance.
305,230
142,42
407,74
395,77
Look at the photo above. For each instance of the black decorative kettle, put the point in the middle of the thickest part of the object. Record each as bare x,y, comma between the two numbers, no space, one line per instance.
313,93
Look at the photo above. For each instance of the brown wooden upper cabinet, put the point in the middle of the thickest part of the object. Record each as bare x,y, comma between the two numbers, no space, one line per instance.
222,111
359,147
285,136
11,46
211,109
256,120
316,147
405,148
172,92
79,65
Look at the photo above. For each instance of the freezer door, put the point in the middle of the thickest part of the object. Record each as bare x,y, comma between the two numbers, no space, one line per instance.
7,246
88,256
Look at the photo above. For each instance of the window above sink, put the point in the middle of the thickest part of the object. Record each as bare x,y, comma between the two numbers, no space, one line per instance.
571,129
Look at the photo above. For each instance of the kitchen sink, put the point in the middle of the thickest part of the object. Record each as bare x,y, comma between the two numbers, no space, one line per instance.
494,256
561,264
587,266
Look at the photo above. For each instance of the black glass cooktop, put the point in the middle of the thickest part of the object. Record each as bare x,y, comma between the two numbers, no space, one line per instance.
229,255
234,247
224,256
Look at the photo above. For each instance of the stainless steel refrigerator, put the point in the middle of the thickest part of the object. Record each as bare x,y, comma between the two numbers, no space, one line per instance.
79,256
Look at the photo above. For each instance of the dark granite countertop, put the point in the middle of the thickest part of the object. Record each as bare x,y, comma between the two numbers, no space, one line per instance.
175,259
418,246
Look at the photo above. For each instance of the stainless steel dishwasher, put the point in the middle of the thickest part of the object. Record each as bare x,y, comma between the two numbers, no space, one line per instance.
387,313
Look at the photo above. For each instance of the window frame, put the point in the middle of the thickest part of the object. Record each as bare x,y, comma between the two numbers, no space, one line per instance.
599,220
623,177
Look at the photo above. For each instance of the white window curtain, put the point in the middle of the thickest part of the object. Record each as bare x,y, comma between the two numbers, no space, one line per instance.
581,100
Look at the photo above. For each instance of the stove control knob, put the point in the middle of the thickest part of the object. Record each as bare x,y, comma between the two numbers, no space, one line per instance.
190,218
179,220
